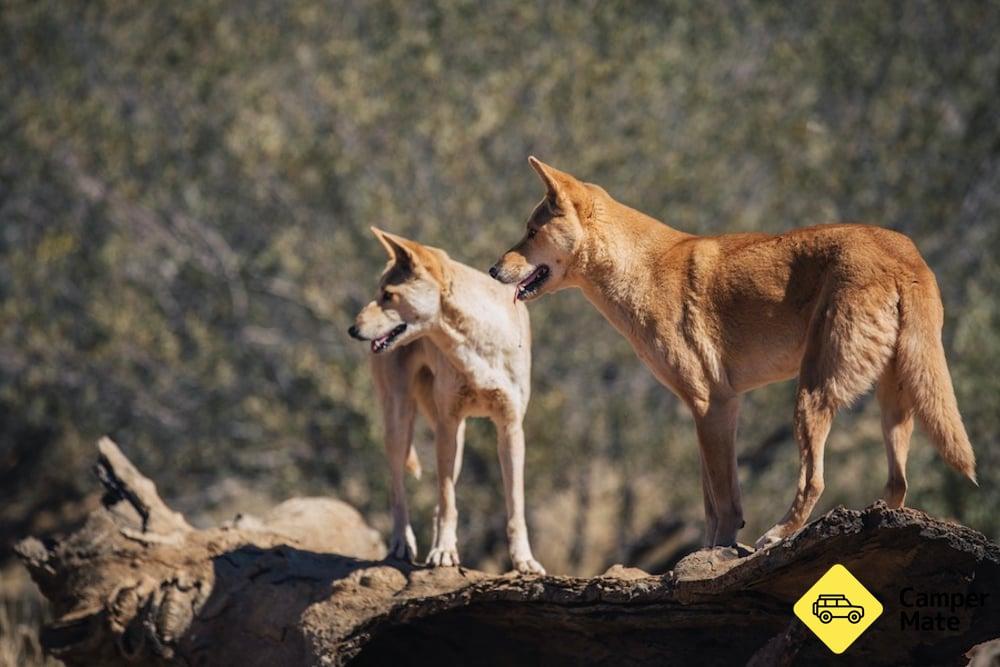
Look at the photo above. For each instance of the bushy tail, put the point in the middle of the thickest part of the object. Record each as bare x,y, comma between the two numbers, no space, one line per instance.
413,463
923,372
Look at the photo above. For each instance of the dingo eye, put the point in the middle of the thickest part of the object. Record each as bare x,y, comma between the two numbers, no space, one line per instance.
386,295
531,232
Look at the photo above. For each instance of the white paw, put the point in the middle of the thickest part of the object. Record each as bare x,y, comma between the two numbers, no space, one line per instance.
769,539
528,566
404,547
443,557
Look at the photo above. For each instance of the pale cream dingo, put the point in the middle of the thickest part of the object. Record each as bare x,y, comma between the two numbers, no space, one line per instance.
451,343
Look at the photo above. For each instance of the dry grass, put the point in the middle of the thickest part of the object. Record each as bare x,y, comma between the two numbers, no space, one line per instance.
22,612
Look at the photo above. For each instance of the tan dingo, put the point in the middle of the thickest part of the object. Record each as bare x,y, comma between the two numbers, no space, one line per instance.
451,343
841,306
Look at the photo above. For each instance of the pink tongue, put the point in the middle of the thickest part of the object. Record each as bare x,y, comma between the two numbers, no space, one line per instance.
517,288
527,280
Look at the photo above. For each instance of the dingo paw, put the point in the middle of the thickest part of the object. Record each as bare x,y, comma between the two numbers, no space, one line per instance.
403,547
443,557
770,538
528,566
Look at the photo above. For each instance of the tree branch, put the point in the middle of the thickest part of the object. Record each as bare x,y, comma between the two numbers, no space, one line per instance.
305,584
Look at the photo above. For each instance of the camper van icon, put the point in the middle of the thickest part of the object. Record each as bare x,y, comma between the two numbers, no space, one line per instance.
828,607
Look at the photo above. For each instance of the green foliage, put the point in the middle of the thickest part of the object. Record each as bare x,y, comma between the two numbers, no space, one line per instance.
186,189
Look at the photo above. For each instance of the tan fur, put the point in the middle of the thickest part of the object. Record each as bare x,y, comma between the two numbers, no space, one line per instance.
465,352
840,306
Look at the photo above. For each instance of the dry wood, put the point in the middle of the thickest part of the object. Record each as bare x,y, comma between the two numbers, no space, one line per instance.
305,584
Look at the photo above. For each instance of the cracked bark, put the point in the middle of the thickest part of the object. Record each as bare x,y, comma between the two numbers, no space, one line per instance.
305,584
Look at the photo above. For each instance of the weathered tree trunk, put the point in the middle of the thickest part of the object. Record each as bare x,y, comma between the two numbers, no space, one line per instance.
305,585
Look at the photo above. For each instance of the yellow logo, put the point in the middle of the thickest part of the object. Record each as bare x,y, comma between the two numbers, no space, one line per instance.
838,609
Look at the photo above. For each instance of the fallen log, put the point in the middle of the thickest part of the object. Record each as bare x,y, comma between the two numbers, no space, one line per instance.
305,585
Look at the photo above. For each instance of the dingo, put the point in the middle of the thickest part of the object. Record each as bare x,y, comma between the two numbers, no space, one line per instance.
841,306
450,342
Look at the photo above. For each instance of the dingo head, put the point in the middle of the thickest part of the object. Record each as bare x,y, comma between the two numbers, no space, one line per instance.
408,304
542,260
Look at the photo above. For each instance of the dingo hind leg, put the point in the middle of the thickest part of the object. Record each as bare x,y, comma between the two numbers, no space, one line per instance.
897,428
851,338
711,518
510,446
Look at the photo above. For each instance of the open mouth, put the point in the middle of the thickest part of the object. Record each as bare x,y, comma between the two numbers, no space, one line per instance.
529,286
382,343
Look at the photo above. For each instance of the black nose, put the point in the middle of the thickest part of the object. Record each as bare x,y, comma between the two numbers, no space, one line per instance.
494,271
353,332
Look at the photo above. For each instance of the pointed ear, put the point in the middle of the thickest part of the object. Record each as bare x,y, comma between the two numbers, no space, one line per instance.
395,246
562,188
549,176
558,184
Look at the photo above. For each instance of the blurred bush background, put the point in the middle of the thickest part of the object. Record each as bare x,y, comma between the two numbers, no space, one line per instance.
186,190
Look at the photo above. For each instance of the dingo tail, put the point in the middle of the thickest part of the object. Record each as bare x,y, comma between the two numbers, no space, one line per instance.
923,372
413,463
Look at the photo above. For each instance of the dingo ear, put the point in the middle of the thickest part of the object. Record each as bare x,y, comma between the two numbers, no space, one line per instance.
563,189
548,176
557,183
395,246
